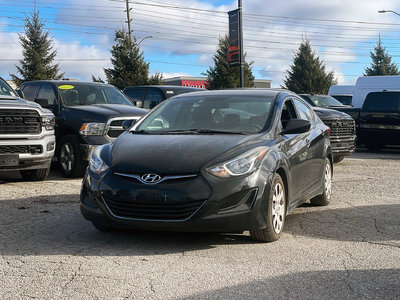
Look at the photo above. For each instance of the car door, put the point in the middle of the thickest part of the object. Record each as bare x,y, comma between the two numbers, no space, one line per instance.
296,148
315,143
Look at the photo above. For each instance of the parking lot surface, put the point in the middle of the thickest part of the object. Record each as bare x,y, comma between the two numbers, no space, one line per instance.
347,250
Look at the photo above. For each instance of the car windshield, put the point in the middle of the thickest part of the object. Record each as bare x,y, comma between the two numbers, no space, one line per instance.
81,94
345,99
319,100
208,115
5,89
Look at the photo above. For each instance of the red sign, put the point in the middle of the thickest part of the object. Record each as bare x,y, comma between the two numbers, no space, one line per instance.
195,83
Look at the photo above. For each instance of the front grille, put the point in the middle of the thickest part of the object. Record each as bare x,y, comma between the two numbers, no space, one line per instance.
115,127
341,127
20,121
36,149
152,211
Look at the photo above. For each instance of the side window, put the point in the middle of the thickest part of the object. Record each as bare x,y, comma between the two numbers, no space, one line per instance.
46,92
153,98
135,94
288,112
30,91
304,112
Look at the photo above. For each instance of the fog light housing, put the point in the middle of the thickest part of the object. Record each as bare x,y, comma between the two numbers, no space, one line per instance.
51,146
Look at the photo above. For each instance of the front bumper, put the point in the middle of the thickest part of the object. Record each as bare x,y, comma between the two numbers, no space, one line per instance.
343,146
228,205
28,161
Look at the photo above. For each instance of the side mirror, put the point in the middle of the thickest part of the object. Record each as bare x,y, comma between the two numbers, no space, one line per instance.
43,102
20,93
128,124
296,126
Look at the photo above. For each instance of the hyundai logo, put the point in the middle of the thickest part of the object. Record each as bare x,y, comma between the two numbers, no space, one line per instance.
151,178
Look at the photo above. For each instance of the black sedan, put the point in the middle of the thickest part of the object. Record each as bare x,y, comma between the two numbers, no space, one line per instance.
225,161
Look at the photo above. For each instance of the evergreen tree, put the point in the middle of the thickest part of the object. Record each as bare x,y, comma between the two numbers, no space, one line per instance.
381,62
221,75
129,66
156,79
307,73
97,79
38,54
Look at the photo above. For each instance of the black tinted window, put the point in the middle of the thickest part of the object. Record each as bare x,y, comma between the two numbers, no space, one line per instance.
152,98
135,94
30,91
47,92
346,100
382,101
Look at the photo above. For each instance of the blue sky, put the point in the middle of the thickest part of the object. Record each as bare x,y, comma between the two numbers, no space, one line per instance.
185,33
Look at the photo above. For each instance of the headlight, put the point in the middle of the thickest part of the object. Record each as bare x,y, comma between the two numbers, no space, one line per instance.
241,165
92,129
96,164
48,122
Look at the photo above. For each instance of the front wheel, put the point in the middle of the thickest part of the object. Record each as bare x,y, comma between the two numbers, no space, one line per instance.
276,213
324,198
35,175
69,157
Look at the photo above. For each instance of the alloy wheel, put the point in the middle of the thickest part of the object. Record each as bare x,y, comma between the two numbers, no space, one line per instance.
328,180
67,157
278,207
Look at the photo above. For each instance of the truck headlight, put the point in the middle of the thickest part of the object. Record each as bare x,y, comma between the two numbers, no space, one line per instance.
96,164
241,165
48,122
92,129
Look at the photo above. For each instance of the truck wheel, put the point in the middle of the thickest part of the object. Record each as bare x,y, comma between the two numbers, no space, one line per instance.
275,215
35,175
69,157
324,198
337,159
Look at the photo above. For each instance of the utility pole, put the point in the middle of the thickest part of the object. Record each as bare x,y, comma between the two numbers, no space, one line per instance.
241,59
128,16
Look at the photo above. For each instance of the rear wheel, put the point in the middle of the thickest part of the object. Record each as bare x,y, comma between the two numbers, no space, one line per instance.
275,214
34,175
69,157
337,159
324,198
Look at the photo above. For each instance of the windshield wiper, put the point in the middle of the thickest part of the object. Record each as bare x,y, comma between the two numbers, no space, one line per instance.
200,131
140,132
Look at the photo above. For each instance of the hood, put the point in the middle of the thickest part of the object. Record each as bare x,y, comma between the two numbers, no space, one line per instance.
103,112
325,113
15,102
170,154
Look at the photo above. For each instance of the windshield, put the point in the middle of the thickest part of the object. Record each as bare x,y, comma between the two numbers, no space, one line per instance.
209,114
324,100
345,99
6,90
80,94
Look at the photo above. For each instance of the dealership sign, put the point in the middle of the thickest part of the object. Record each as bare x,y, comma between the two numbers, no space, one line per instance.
233,49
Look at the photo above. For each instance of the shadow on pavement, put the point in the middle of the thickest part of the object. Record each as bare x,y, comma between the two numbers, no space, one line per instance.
330,284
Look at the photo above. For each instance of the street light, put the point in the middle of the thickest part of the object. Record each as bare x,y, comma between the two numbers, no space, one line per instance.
146,37
390,11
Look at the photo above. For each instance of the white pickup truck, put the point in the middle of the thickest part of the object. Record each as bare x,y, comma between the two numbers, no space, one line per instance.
27,140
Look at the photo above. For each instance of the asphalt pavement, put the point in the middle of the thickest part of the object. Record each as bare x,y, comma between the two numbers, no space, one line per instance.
347,250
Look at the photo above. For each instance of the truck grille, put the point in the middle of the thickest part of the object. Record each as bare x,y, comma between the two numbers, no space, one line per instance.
20,121
35,149
115,127
341,127
152,211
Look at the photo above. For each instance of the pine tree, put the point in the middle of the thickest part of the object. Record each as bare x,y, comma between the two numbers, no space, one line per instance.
129,66
221,75
307,73
156,79
97,79
381,62
38,54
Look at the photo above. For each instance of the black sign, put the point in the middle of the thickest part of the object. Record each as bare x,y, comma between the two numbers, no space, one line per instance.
233,49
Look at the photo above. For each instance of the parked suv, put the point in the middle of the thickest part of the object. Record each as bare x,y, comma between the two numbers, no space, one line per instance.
27,139
149,96
87,115
342,125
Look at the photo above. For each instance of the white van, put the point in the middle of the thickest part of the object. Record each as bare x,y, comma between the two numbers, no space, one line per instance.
367,84
343,93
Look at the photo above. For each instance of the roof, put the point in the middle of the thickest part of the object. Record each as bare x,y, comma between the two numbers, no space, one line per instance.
71,82
240,91
166,87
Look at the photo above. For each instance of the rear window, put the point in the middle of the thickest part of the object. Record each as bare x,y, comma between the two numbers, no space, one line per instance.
382,102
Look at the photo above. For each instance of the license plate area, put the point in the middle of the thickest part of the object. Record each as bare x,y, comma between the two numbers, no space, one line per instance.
9,160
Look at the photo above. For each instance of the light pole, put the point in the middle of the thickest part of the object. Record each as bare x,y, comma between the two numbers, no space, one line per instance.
389,11
146,37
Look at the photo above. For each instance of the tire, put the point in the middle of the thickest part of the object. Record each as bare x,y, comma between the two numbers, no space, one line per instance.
324,198
276,213
102,228
34,175
69,157
337,159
